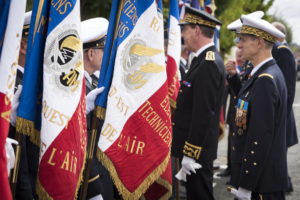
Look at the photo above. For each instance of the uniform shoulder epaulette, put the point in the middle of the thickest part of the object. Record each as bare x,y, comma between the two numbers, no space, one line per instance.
210,56
266,74
282,46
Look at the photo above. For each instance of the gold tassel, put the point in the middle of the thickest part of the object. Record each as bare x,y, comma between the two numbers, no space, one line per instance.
100,112
126,194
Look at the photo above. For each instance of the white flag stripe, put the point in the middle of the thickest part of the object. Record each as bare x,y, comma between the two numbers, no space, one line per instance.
11,47
174,43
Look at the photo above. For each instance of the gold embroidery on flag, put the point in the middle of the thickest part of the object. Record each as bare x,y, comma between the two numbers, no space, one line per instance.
142,50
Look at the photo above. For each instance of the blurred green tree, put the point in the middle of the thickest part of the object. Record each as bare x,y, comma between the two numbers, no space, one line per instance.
227,11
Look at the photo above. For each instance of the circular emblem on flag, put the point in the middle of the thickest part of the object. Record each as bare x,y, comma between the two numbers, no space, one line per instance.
63,59
139,63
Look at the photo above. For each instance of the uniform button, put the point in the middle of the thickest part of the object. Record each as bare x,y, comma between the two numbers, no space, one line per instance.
233,134
245,160
254,163
256,143
173,123
247,172
233,148
252,152
180,91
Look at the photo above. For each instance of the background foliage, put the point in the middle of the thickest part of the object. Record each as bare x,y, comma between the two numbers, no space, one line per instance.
227,11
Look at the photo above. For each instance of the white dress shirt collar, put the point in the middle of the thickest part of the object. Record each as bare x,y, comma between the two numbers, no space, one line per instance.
259,65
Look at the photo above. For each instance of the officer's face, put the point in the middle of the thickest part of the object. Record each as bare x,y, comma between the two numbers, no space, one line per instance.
248,46
98,58
188,34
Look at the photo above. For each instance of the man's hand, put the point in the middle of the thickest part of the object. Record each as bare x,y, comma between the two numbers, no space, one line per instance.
230,68
241,193
91,97
189,165
15,105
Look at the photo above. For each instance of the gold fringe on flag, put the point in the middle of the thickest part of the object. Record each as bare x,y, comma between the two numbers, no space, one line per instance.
26,127
167,185
100,112
80,179
41,192
126,194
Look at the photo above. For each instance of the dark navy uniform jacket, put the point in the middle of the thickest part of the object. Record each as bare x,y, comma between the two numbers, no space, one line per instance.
286,61
197,114
259,143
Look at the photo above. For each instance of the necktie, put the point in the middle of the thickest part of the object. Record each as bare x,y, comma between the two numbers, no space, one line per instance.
94,81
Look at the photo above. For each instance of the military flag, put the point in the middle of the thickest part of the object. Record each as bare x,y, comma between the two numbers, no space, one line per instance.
11,23
63,120
29,109
136,135
174,52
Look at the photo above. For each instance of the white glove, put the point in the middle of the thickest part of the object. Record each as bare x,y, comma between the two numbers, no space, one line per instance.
15,105
189,165
10,154
91,97
181,175
241,193
98,197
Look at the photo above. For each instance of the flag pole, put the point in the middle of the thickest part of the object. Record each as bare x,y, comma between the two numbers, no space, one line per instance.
15,170
95,124
89,158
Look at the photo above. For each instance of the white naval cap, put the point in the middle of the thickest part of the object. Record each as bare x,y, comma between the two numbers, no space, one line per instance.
260,28
237,24
94,32
26,24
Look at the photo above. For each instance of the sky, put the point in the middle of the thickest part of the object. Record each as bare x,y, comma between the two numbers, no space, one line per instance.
288,10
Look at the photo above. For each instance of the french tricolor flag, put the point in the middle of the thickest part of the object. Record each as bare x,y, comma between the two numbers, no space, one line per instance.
136,136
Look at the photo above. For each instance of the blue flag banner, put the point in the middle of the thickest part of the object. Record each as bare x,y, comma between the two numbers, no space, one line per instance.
4,8
29,110
111,34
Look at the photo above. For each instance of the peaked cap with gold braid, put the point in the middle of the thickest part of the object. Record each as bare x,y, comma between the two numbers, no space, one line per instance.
200,17
94,32
26,24
260,28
